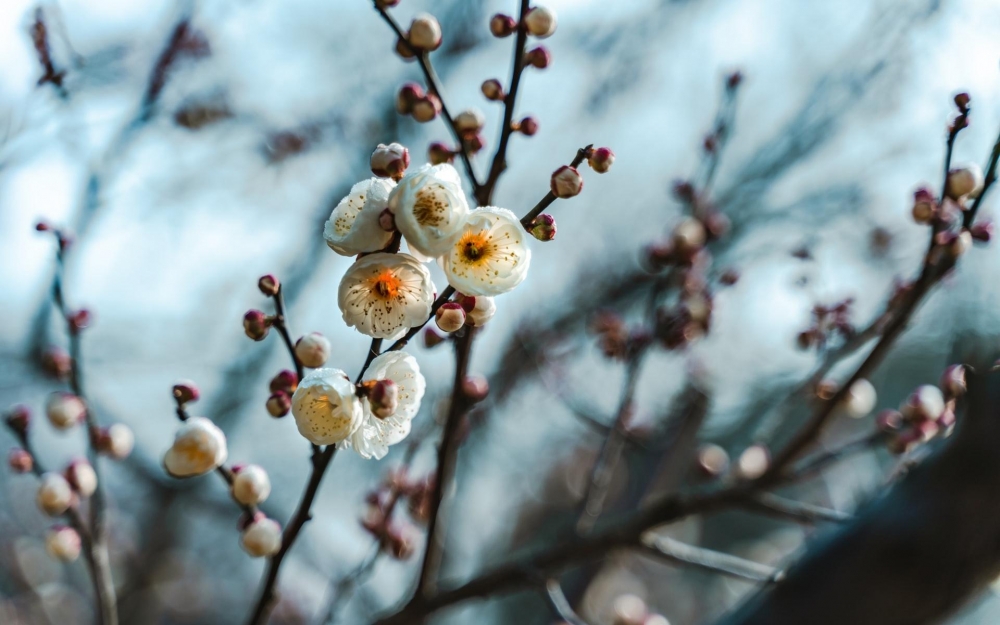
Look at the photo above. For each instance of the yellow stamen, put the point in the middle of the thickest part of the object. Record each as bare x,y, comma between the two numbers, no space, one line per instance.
386,285
474,247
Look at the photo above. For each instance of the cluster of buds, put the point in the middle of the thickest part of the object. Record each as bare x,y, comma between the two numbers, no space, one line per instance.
469,127
828,323
632,610
461,311
414,101
424,35
963,182
927,413
279,402
614,339
539,22
390,161
396,536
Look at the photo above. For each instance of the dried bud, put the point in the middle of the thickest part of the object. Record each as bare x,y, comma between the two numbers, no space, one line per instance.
425,32
79,320
268,285
262,537
251,485
502,25
186,392
924,206
450,317
470,121
753,462
629,610
712,460
383,397
963,181
438,153
540,22
925,404
688,237
543,227
286,381
20,461
18,418
601,160
566,182
65,410
982,231
55,495
482,310
527,126
390,161
57,362
312,350
493,90
426,108
116,441
63,543
278,404
256,324
81,477
538,57
953,381
859,400
962,101
432,338
408,95
475,387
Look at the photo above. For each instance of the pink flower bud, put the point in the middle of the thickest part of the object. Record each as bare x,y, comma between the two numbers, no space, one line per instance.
185,392
450,317
268,285
383,398
953,381
313,350
966,180
470,121
438,153
426,108
601,160
65,410
57,362
543,227
20,461
79,320
390,161
278,404
924,206
566,182
63,543
286,381
256,324
116,441
538,57
81,477
18,418
540,22
982,231
475,387
527,126
425,32
408,95
432,338
688,236
502,25
493,90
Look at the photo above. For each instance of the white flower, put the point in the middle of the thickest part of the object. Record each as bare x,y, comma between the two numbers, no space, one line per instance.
382,294
326,407
262,537
373,438
430,208
491,256
55,495
199,447
65,410
353,227
63,543
251,485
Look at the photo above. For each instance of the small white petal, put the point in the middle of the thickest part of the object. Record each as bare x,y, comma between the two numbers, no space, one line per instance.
353,227
373,438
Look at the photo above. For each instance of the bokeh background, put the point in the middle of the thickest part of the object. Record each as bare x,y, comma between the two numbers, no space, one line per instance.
268,118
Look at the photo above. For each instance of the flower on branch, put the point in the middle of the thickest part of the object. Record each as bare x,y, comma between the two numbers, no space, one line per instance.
430,208
376,433
541,22
55,495
63,543
353,227
262,537
65,410
325,407
251,484
491,255
383,295
199,447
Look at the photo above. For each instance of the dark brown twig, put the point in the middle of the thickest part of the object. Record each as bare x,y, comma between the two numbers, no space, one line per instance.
550,197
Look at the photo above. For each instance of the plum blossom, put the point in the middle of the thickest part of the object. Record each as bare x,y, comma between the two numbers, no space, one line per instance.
430,208
491,255
373,438
383,295
353,227
325,407
199,447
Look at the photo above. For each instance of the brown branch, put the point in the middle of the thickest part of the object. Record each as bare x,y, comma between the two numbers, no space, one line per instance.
550,197
798,511
280,324
676,552
991,176
811,467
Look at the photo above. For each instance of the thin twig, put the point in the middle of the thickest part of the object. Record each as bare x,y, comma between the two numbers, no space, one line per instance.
674,551
814,465
550,197
797,511
560,604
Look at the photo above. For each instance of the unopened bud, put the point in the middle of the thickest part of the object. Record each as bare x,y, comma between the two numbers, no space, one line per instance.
278,404
438,153
251,485
450,317
186,392
116,441
404,50
753,462
63,543
390,161
475,387
262,537
502,25
733,80
961,244
426,108
473,142
425,32
712,460
925,403
470,121
286,381
601,160
268,285
962,101
57,362
256,324
79,320
982,231
408,95
492,89
432,338
312,350
566,182
924,206
629,610
20,461
538,57
860,399
540,22
953,381
18,418
54,494
81,477
386,220
65,410
543,227
689,236
966,180
383,397
527,126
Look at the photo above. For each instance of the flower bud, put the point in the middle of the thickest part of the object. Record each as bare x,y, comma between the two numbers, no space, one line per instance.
426,108
425,32
502,25
116,441
63,543
256,325
475,387
20,461
251,485
286,381
185,392
601,160
404,50
566,182
543,227
753,462
312,350
527,126
473,143
383,397
889,420
199,447
962,101
390,161
712,460
860,399
953,381
538,57
43,226
689,236
57,362
470,121
493,90
432,338
268,285
65,410
18,418
279,404
79,320
386,220
81,477
925,403
450,317
540,22
55,495
963,181
262,537
438,153
482,310
924,206
408,95
629,610
982,231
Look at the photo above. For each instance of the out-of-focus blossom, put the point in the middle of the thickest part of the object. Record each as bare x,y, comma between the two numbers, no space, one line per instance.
199,447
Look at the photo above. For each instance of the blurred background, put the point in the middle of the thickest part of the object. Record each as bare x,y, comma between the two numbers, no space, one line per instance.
182,194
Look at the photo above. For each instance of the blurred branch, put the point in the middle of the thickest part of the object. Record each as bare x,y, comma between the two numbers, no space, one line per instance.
676,552
814,465
798,511
560,604
43,49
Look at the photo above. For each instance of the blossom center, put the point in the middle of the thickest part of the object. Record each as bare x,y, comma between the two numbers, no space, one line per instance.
474,246
386,285
430,207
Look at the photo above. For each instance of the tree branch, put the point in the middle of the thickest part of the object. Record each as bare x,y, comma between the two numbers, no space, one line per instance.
676,552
